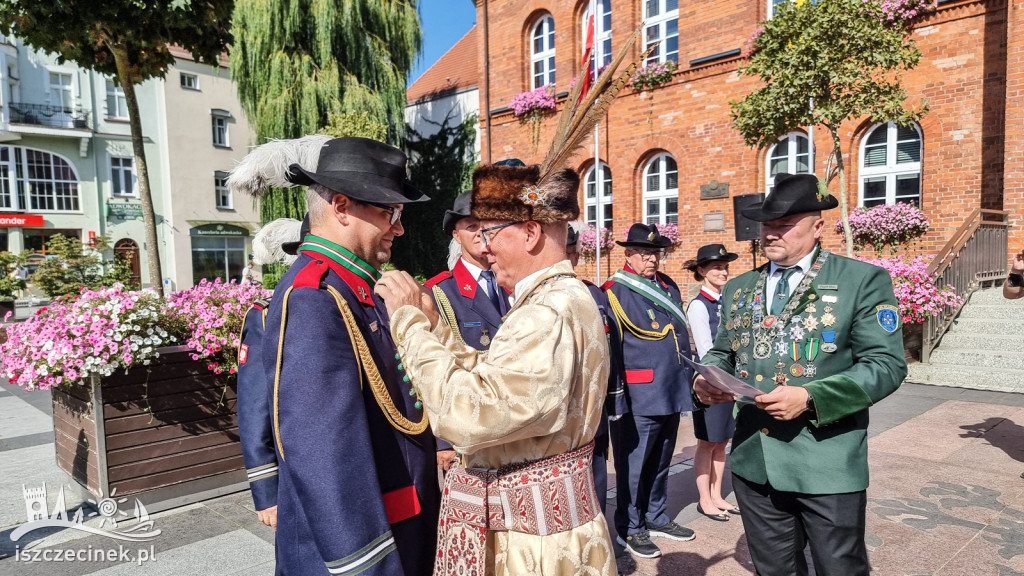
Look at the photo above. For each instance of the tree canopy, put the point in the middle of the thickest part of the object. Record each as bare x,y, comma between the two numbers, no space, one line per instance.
824,63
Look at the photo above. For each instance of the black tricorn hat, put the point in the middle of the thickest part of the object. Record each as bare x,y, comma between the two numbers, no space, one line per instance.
641,235
711,253
293,247
572,237
460,210
362,169
793,194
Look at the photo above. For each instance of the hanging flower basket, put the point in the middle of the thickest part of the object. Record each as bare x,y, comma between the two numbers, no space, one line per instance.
885,227
531,106
653,75
589,239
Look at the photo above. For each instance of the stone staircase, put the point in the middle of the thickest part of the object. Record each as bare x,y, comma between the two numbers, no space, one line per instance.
983,350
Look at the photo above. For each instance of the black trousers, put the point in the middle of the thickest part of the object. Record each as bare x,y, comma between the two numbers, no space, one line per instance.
779,524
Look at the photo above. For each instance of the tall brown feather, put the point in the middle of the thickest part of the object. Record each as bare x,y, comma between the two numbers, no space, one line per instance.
572,113
586,117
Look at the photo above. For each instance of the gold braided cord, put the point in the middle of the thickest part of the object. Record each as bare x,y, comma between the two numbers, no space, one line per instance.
639,332
369,368
448,312
277,373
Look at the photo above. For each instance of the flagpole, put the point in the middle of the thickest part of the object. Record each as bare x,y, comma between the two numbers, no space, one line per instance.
598,173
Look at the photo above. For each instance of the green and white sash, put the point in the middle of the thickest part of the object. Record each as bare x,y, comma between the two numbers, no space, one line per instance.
652,292
342,256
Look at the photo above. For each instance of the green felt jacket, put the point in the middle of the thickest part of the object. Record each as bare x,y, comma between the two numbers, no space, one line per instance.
825,451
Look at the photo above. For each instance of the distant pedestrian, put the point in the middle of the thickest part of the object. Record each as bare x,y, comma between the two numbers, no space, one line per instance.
247,274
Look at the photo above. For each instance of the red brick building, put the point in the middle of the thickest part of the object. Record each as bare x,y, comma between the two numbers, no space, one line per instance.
662,146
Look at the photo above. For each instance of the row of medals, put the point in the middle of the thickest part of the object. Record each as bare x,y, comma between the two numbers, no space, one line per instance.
768,328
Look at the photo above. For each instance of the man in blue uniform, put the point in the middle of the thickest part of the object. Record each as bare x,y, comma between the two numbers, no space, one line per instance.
254,417
467,297
616,398
648,309
358,487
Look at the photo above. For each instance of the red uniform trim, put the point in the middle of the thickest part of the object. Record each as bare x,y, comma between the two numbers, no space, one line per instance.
464,279
437,279
311,275
639,376
401,504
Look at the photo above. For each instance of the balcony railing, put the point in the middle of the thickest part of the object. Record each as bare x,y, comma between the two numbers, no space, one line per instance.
46,115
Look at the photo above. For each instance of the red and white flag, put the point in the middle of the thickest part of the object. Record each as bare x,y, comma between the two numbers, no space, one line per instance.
585,65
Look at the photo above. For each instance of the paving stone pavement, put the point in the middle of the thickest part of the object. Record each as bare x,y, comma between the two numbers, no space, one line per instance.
946,499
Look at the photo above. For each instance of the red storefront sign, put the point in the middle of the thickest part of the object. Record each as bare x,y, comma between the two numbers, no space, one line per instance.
21,220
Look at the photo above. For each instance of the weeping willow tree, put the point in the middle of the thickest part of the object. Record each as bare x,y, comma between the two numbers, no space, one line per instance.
298,62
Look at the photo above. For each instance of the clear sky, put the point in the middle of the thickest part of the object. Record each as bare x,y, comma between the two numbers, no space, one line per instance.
444,22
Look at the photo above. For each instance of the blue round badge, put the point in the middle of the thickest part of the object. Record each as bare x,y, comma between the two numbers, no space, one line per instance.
888,318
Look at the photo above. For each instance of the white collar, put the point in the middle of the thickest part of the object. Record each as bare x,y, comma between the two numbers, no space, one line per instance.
714,295
473,269
804,263
523,285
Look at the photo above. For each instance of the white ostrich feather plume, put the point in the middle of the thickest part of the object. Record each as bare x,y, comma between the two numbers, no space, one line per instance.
454,253
267,165
266,244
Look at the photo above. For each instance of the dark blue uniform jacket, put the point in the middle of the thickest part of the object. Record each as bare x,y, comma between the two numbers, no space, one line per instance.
356,495
254,424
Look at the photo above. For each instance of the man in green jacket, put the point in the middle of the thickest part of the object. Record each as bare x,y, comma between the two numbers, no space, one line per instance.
820,335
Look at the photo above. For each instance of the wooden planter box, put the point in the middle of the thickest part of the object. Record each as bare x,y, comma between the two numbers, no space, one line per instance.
158,433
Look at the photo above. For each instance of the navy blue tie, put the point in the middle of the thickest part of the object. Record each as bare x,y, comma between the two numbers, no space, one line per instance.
492,288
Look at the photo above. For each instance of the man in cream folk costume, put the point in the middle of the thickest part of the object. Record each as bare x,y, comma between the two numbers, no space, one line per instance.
524,415
820,335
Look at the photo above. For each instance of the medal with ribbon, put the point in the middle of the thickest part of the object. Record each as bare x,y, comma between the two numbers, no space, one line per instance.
829,337
811,349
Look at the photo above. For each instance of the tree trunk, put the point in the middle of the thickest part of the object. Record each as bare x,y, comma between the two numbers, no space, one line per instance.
125,79
844,210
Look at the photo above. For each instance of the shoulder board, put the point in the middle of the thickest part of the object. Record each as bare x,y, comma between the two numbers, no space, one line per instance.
261,304
588,282
437,279
311,275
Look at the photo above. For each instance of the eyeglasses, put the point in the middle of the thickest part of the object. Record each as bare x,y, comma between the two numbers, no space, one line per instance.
395,213
485,232
644,253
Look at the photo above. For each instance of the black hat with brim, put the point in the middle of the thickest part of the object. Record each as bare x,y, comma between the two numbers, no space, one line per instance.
293,247
362,169
711,253
572,237
460,210
793,194
644,236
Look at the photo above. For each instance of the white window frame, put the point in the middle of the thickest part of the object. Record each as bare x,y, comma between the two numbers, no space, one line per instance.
791,141
30,192
117,175
544,30
69,89
600,199
663,193
656,28
217,116
771,7
602,32
189,81
115,91
892,170
222,194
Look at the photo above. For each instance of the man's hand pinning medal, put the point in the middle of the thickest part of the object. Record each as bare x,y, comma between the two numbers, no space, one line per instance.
398,289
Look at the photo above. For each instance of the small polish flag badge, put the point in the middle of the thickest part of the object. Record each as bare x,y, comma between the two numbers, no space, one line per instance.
243,353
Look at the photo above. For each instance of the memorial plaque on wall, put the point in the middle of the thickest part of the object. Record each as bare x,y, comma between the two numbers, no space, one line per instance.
714,189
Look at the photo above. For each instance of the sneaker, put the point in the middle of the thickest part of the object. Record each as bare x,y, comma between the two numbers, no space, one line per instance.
673,531
640,544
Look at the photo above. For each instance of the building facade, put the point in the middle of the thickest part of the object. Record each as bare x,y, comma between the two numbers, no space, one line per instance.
67,165
671,155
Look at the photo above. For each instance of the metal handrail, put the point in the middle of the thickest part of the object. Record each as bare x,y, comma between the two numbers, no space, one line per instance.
47,115
973,257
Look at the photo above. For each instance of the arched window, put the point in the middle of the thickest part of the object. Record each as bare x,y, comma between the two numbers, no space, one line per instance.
542,52
597,199
662,24
602,31
43,181
890,165
661,190
791,154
